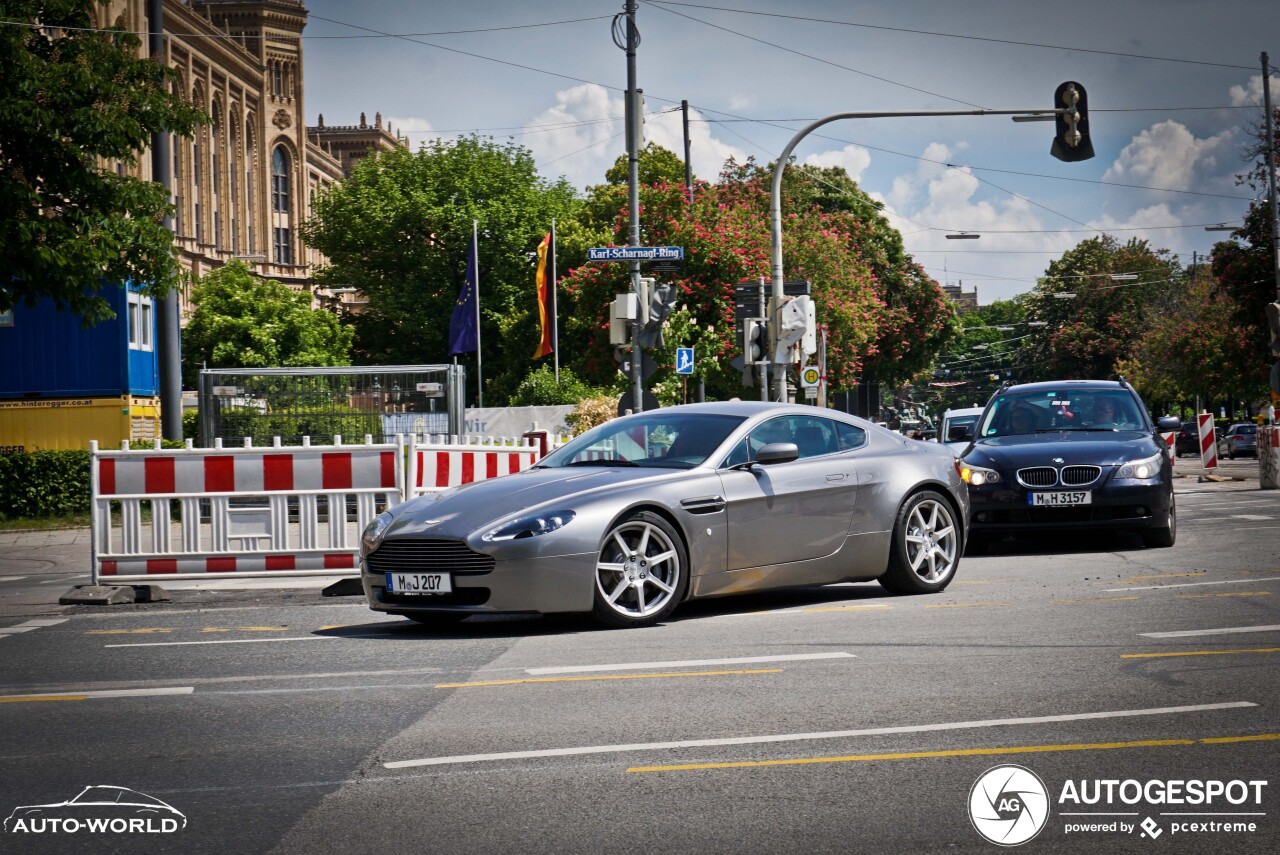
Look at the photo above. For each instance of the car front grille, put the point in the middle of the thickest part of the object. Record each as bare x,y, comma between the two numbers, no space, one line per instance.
1078,476
1038,476
413,555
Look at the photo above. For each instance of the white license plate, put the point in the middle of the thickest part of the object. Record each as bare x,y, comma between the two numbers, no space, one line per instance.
419,583
1065,498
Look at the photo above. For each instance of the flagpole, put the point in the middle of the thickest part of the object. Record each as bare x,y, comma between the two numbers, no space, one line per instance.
555,310
475,253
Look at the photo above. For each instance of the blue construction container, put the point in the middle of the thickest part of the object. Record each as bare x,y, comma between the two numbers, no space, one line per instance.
47,353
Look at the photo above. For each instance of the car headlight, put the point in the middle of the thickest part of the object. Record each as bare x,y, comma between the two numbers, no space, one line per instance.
530,526
1141,469
373,532
977,476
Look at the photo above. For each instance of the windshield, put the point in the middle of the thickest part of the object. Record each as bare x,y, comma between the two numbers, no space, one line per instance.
658,440
1018,413
1250,429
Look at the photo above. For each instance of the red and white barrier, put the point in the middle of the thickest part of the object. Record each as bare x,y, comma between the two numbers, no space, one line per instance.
1208,441
438,465
249,511
1169,440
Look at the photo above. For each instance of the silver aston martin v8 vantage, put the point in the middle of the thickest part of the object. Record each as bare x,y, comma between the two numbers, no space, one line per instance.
636,516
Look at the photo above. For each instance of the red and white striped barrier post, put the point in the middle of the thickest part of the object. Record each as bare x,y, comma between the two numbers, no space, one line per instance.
1169,440
1208,441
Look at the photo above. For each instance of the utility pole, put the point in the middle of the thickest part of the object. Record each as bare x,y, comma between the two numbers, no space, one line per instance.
688,167
168,329
633,119
1269,158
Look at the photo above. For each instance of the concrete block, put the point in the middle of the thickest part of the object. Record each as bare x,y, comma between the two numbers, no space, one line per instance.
98,595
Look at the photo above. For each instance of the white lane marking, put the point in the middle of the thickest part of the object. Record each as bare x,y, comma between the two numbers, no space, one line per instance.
11,578
1251,517
105,693
691,663
229,641
798,737
1229,630
1195,584
27,626
64,580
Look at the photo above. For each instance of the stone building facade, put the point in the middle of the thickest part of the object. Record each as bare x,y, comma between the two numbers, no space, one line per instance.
244,184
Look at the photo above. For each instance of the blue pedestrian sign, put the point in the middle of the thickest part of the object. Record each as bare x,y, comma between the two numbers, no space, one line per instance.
684,360
636,253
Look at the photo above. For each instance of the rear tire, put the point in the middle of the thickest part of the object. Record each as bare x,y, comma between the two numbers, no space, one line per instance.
925,549
1165,536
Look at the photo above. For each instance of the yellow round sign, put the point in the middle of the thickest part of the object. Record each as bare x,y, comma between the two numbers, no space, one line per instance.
809,376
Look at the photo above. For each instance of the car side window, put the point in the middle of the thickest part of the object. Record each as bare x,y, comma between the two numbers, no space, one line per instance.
741,454
850,436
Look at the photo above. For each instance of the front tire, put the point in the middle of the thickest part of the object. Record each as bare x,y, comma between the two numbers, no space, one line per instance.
925,550
642,572
1165,536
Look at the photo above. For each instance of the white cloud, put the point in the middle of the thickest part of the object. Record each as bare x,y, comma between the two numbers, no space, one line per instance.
1250,96
1168,155
855,160
740,102
417,129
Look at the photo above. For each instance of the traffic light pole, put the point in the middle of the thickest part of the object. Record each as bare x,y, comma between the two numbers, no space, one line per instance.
775,200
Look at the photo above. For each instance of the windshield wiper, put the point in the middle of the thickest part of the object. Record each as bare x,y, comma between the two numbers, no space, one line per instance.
1061,429
614,462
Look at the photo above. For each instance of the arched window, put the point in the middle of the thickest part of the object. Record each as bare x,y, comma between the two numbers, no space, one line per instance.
280,180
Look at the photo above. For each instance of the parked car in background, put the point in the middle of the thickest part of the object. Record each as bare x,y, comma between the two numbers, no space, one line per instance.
1066,455
637,515
1188,441
1240,440
958,427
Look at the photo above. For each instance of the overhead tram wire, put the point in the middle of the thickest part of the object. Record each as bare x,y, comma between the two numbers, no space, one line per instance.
951,35
821,60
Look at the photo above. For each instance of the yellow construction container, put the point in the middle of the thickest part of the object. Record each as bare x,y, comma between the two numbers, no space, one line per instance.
43,424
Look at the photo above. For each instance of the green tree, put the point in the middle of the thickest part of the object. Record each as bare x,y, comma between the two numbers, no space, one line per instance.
69,98
1094,319
399,229
1246,275
1196,349
242,321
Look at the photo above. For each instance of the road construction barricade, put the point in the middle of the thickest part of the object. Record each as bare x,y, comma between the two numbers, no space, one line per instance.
1269,457
193,512
439,463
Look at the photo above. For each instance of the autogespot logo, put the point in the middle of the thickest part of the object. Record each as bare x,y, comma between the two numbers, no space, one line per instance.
1008,805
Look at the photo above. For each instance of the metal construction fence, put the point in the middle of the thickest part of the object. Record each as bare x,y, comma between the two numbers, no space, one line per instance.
277,510
350,401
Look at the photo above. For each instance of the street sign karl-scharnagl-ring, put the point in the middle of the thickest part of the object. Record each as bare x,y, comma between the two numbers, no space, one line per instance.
636,253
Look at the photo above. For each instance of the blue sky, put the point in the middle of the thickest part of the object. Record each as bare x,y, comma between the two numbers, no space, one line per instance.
1173,86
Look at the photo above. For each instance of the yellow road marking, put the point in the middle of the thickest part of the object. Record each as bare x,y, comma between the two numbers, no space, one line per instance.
1097,599
1198,653
602,677
959,752
848,608
147,631
964,605
1232,594
336,626
29,698
214,629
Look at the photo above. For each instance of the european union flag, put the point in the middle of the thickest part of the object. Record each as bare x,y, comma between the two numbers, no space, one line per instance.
463,335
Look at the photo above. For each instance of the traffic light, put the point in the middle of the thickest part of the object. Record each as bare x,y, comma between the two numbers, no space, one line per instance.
1273,321
1072,140
622,311
754,339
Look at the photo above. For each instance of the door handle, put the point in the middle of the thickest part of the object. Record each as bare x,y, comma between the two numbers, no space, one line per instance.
839,476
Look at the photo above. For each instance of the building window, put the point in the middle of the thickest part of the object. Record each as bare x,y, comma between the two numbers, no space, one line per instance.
175,183
140,321
280,181
277,80
283,249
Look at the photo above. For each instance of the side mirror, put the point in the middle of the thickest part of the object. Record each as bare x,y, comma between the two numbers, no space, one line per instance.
960,433
1169,424
778,452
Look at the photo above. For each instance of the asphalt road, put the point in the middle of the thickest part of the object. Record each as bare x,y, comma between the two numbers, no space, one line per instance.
834,719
